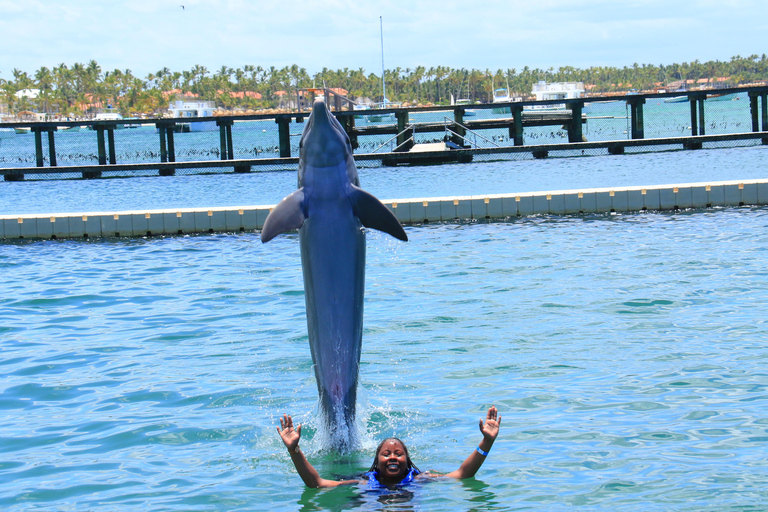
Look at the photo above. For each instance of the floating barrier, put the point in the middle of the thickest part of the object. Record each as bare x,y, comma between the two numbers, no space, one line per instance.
408,211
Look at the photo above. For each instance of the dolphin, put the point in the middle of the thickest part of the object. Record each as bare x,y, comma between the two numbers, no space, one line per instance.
330,211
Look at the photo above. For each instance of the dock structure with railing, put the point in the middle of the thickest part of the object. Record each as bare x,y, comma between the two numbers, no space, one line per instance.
439,134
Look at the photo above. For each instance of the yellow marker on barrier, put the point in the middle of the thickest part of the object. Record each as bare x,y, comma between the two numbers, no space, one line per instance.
487,200
210,213
425,203
455,202
612,193
708,188
642,192
53,219
517,199
240,212
741,186
581,195
549,197
115,216
85,218
21,221
394,205
674,190
178,214
146,215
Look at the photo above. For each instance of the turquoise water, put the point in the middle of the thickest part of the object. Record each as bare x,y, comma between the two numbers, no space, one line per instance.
626,354
58,196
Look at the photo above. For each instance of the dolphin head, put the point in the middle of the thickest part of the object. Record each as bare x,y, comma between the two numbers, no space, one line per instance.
325,144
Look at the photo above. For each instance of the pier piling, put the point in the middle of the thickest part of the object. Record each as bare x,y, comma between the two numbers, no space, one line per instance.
404,137
636,118
167,148
458,117
759,114
575,133
516,130
284,134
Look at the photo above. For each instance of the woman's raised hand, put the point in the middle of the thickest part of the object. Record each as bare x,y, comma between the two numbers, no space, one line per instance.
288,434
492,423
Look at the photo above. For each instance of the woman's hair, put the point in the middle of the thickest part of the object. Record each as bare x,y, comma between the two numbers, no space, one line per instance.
409,462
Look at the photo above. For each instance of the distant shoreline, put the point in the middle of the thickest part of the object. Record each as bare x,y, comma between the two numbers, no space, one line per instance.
82,89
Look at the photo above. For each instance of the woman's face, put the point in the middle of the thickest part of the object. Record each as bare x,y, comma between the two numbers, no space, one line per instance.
392,461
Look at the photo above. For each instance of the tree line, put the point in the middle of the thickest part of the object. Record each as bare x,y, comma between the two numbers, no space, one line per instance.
69,90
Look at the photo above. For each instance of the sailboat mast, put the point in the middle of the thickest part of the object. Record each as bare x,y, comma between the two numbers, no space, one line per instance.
383,83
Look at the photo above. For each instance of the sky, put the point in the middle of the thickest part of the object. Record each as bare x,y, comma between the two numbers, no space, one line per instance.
148,35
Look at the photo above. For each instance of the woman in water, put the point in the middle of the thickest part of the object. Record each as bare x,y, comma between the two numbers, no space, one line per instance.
391,464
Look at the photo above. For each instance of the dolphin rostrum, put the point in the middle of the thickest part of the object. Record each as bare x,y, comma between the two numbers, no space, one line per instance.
330,209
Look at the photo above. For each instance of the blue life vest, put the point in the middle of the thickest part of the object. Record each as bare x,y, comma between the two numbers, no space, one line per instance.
373,480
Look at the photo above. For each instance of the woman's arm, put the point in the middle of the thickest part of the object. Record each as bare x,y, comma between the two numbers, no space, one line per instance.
489,430
309,474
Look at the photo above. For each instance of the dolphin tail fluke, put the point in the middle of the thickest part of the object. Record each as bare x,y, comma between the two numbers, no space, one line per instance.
373,214
287,215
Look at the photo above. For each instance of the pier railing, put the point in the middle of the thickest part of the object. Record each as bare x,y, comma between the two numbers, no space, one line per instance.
516,130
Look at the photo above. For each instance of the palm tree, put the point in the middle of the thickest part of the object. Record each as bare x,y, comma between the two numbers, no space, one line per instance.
44,81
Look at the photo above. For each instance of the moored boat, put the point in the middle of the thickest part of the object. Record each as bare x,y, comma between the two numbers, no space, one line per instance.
361,108
464,102
109,116
501,96
555,91
722,97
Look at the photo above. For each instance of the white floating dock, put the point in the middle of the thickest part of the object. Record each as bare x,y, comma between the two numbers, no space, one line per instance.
408,211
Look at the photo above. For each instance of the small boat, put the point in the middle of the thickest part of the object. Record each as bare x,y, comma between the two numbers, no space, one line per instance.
360,108
384,116
555,91
109,116
21,130
677,99
722,97
501,96
68,128
463,102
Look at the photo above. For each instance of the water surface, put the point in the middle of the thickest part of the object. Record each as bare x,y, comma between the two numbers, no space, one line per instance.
626,355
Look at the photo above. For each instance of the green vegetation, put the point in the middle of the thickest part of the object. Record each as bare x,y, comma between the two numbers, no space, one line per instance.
85,87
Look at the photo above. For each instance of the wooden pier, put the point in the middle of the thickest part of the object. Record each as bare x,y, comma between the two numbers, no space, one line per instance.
523,115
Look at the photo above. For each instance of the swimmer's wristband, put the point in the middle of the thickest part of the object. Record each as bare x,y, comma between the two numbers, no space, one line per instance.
481,452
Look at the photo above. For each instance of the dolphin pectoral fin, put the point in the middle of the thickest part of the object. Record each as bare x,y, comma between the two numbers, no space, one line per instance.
287,215
373,214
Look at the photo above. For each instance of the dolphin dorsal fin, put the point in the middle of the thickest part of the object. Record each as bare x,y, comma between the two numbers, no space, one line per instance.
373,214
287,215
